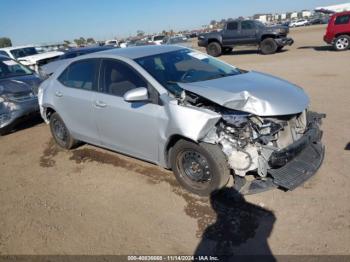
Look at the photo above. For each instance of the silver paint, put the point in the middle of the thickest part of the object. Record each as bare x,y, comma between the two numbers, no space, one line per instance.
144,130
256,93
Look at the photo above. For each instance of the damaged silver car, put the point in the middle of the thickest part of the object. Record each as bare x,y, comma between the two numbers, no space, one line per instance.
206,120
18,88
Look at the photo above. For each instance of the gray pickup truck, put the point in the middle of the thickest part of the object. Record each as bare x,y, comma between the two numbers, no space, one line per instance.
270,39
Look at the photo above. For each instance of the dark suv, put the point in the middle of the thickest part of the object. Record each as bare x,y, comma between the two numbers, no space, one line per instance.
338,31
270,39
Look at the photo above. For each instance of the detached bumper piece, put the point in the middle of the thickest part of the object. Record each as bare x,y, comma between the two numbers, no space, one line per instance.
292,166
300,169
300,161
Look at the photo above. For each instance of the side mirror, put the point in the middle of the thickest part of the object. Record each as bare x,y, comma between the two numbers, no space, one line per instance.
136,95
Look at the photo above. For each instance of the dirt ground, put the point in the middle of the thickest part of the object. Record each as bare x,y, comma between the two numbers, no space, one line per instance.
93,201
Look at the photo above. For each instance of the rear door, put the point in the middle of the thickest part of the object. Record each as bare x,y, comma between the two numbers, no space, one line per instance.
231,34
342,24
74,95
248,32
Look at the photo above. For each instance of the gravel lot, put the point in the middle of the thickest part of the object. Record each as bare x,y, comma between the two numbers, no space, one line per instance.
94,201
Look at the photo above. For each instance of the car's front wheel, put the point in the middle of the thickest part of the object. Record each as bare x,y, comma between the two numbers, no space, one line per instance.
268,46
214,49
342,43
199,168
61,133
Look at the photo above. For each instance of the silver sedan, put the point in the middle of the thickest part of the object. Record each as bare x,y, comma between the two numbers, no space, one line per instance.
206,120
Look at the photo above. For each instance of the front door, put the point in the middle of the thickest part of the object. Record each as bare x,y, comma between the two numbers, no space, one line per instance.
128,127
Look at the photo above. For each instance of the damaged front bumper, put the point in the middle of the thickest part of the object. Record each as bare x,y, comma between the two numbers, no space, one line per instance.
14,111
293,165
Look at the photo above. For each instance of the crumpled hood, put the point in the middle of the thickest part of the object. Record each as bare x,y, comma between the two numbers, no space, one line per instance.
253,92
20,84
35,58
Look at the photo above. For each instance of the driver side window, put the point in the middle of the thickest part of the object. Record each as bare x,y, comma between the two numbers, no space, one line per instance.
117,78
232,26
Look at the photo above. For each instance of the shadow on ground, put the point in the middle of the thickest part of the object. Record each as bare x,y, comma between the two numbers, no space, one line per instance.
347,147
240,228
318,48
250,52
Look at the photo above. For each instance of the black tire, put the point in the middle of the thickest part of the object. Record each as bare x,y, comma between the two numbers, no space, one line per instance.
61,133
268,46
214,49
342,43
7,129
227,50
199,168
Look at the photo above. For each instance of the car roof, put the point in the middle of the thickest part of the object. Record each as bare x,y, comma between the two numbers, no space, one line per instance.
342,13
138,51
15,47
89,48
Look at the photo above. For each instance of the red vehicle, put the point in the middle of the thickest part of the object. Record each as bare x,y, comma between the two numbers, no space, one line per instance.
338,31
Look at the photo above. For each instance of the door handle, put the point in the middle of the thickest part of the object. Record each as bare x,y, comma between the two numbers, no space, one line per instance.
100,104
58,94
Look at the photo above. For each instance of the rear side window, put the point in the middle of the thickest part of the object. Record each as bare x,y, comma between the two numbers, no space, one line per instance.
81,75
342,20
247,25
232,26
117,78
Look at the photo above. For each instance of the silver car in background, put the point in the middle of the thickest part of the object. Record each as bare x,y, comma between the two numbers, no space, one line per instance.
189,112
18,88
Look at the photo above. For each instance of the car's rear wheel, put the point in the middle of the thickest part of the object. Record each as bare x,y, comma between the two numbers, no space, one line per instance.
61,133
268,46
342,43
214,49
199,168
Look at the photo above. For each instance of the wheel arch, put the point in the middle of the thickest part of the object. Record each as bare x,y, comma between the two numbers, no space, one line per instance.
263,37
344,33
47,111
173,139
211,40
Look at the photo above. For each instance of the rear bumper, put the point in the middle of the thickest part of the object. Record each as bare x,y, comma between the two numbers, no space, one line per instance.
284,41
328,40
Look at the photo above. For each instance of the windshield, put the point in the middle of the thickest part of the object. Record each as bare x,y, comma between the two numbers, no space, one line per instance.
158,38
22,52
10,68
184,66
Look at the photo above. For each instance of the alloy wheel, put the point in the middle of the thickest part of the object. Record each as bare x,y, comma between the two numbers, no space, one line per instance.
342,43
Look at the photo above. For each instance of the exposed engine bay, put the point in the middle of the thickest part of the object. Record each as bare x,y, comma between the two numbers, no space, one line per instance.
247,140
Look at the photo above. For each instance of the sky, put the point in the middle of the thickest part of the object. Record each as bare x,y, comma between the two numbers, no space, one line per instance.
49,21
